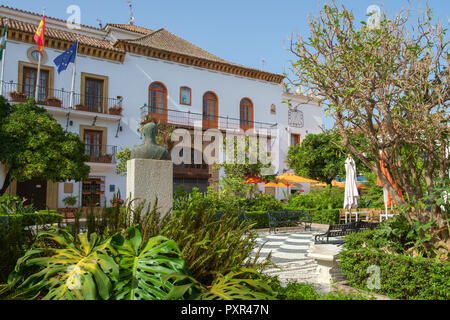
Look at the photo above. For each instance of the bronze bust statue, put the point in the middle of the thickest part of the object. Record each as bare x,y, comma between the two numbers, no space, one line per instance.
149,149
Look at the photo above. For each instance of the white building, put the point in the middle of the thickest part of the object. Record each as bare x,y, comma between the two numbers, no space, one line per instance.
145,72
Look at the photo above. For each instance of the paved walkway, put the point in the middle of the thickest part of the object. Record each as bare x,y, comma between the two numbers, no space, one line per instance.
289,252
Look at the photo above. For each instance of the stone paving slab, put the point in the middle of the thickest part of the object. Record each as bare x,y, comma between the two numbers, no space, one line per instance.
290,251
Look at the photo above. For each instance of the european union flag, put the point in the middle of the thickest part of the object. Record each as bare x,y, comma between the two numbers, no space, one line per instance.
63,60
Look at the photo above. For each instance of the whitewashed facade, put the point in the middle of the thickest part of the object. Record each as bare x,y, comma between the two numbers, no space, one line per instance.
124,78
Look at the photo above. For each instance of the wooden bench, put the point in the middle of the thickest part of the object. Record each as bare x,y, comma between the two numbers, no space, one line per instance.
339,230
288,218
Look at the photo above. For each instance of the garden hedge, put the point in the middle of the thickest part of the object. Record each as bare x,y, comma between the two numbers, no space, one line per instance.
37,218
402,277
322,216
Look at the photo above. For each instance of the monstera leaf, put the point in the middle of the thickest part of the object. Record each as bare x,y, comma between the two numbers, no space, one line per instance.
66,270
244,284
144,267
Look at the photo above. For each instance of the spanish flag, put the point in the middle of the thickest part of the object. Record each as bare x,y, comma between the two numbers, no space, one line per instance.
39,35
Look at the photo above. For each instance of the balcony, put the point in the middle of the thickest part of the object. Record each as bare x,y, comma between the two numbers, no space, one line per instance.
59,98
199,171
188,119
101,153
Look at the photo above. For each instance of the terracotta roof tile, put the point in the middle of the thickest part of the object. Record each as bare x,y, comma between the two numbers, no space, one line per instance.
46,17
165,40
130,27
59,34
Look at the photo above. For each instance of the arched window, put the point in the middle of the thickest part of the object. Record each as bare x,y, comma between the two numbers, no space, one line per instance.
157,101
246,114
210,110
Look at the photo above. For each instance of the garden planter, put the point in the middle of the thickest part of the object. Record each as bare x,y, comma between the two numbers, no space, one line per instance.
105,159
81,107
18,97
115,111
54,103
69,212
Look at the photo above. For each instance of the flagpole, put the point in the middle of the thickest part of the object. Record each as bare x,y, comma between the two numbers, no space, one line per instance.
72,90
36,93
3,57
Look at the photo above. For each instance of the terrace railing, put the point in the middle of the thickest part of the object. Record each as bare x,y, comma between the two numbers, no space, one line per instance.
59,98
101,153
189,119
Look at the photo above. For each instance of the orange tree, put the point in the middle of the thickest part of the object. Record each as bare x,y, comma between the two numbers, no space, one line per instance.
34,145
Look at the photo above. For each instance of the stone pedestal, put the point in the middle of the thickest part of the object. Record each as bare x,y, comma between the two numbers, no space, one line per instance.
149,179
325,256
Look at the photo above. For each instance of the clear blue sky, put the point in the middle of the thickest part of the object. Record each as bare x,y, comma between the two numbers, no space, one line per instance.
240,31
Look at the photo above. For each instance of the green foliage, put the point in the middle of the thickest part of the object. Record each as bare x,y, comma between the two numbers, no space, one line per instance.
303,291
210,247
10,204
144,266
318,198
322,216
122,157
181,198
233,187
65,270
250,164
60,268
244,284
260,202
320,157
70,200
14,242
41,217
372,197
402,277
295,291
40,147
394,235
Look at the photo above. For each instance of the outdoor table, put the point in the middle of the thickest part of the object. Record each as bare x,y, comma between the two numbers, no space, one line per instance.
357,213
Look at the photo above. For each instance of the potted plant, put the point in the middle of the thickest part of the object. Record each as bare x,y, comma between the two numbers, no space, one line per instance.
53,102
116,110
69,202
81,107
17,96
106,158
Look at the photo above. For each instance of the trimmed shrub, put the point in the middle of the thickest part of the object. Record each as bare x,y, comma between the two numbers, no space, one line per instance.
402,277
322,216
320,199
259,217
37,218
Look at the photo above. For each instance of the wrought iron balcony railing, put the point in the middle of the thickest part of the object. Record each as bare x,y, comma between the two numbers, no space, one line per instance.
60,98
189,119
101,153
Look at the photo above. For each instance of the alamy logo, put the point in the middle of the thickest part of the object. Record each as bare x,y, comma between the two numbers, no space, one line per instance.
374,280
374,12
73,22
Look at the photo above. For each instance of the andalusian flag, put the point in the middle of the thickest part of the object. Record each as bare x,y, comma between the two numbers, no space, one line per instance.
39,35
3,40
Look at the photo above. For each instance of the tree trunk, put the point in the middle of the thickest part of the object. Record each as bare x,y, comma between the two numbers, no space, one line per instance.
6,184
5,178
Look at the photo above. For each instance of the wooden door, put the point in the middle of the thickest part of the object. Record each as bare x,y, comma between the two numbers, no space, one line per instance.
94,95
93,144
157,102
210,111
29,83
35,191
